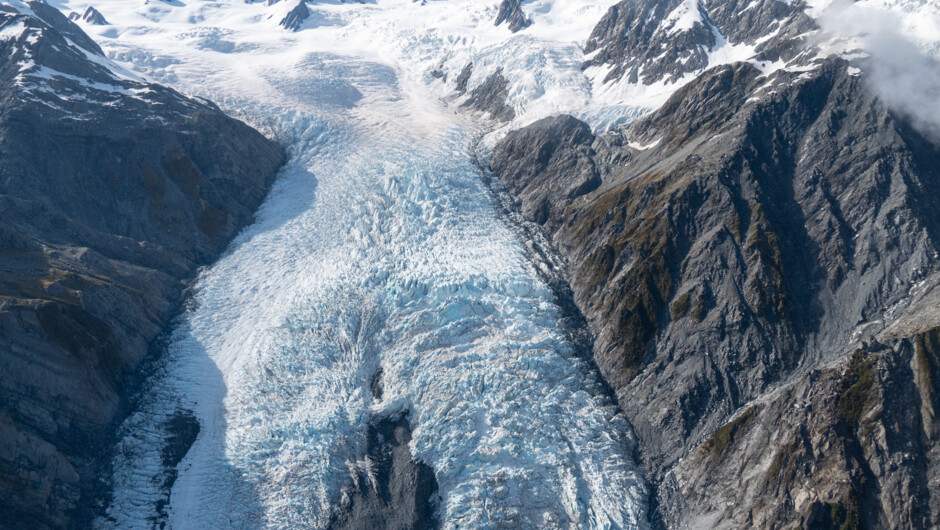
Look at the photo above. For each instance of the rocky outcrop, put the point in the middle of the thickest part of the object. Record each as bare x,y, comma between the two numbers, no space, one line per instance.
294,19
90,15
395,491
849,445
651,41
490,97
732,252
510,12
460,84
390,488
113,192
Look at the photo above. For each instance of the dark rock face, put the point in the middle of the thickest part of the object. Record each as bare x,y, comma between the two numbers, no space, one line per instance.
460,84
182,429
112,192
490,97
658,40
559,146
730,252
91,16
397,492
393,490
294,19
510,12
846,446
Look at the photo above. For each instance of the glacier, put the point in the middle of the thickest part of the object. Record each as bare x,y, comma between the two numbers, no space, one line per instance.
379,248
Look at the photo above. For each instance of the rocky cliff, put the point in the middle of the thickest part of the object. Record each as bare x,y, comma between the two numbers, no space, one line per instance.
745,256
652,41
112,192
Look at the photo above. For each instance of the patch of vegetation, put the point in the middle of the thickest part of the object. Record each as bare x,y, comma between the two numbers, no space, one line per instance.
735,226
211,221
600,264
927,351
783,465
680,306
836,512
849,512
856,389
700,310
640,239
771,297
724,437
842,515
183,171
80,333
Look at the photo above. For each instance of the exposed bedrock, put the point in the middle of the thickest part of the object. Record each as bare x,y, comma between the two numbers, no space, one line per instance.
649,41
395,491
112,193
510,12
736,247
490,97
294,19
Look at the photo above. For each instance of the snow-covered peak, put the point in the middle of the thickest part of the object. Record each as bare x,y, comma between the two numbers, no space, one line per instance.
52,63
294,19
91,16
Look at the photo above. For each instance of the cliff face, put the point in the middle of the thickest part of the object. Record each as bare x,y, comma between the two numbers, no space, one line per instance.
112,192
732,252
652,41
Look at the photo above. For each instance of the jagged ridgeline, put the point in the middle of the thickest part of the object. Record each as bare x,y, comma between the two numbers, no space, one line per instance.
112,192
758,261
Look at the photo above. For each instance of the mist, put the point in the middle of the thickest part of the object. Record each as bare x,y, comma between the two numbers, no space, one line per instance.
899,69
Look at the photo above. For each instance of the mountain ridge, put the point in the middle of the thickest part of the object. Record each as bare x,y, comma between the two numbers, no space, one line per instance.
113,191
694,277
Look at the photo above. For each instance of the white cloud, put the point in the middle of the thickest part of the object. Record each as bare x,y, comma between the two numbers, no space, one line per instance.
900,68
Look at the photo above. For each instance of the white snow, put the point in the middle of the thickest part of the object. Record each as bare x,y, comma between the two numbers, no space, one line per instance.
12,31
683,18
44,73
644,147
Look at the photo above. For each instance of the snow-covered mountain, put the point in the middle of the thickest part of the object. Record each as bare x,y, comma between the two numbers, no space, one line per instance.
400,339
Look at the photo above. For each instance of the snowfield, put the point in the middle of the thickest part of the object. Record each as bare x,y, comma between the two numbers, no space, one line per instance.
377,247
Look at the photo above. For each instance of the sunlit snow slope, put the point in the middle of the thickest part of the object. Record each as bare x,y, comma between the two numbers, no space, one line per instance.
378,247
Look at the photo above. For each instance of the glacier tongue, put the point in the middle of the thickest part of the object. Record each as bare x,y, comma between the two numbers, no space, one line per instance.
377,248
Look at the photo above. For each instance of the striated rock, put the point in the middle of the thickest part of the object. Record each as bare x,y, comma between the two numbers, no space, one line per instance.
460,84
489,97
848,445
294,19
650,41
558,146
747,235
113,192
510,12
90,15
